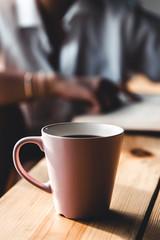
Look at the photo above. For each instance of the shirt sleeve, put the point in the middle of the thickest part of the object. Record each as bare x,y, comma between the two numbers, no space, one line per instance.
144,44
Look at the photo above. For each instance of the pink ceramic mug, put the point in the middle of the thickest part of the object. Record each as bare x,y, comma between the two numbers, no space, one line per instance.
82,160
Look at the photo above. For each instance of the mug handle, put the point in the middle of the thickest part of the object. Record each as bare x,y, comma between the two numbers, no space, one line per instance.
36,140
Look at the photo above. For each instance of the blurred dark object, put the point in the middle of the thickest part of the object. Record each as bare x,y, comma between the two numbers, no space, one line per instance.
12,128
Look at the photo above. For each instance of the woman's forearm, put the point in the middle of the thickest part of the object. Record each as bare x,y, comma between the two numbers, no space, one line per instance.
11,88
18,87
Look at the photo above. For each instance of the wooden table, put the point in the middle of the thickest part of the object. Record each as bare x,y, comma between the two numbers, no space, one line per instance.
28,213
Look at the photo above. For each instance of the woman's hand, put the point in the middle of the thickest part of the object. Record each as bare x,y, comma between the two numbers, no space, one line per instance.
90,94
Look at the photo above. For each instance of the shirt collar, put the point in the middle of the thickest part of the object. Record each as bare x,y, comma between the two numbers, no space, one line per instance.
27,13
79,8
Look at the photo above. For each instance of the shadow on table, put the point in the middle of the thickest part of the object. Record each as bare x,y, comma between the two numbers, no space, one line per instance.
114,222
128,224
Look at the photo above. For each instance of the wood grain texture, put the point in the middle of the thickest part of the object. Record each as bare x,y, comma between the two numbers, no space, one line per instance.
29,213
153,227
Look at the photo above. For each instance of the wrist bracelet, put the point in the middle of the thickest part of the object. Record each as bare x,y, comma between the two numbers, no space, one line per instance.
28,85
41,84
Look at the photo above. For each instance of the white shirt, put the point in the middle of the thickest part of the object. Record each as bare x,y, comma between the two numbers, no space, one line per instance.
93,44
21,27
23,39
93,33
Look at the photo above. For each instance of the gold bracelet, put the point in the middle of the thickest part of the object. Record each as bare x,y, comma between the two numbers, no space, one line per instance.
41,84
28,85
